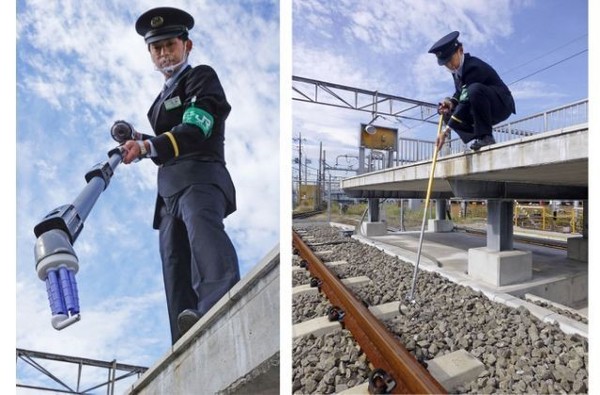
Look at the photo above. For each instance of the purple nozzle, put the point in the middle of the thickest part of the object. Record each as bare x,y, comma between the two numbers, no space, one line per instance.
57,304
63,297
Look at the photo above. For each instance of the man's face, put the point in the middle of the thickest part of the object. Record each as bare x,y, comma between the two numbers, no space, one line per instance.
454,63
168,52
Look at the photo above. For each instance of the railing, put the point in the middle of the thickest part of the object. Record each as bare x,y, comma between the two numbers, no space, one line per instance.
568,115
415,150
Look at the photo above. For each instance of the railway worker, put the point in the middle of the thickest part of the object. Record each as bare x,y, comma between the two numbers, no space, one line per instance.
481,99
195,190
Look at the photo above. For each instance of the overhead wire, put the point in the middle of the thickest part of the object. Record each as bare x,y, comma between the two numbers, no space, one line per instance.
543,55
547,67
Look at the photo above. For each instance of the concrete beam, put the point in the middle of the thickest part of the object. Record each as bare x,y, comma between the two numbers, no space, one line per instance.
416,194
482,189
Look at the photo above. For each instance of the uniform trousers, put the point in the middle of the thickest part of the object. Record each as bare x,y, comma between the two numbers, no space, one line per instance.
473,118
199,261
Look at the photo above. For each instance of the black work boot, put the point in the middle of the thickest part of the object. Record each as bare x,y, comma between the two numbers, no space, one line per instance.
486,140
186,319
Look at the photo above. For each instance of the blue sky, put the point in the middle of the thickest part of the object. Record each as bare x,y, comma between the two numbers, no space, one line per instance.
382,46
81,66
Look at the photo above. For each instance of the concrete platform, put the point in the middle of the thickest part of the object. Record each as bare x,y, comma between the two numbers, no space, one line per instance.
549,165
233,349
555,277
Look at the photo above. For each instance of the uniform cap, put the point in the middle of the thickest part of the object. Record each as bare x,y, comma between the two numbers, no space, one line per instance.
445,47
162,23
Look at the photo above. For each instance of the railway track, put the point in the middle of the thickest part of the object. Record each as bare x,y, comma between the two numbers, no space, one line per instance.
519,352
306,214
395,369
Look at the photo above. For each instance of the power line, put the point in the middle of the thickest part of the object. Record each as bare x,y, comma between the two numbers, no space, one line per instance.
547,67
543,55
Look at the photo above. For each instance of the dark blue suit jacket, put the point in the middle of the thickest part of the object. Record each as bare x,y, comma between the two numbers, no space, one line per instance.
199,160
476,70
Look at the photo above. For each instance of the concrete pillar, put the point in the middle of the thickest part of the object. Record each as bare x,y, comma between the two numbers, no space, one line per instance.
374,225
413,204
463,208
497,263
440,223
440,209
361,160
577,247
585,219
499,225
373,209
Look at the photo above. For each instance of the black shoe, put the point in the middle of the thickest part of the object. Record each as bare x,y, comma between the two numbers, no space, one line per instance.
186,319
486,140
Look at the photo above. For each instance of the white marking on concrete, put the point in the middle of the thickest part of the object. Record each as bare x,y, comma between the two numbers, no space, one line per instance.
321,325
450,370
350,282
458,367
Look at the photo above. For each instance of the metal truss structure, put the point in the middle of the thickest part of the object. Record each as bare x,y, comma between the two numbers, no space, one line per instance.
34,358
376,103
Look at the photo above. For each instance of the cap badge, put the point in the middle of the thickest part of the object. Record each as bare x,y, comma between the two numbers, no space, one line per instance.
156,21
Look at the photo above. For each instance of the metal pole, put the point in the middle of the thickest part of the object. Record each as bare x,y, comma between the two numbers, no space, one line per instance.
299,166
56,261
429,185
329,200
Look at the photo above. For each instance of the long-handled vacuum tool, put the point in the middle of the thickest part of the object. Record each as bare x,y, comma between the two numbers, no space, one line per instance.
410,296
56,262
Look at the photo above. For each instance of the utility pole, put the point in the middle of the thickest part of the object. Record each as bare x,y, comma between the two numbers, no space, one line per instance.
299,161
323,176
318,197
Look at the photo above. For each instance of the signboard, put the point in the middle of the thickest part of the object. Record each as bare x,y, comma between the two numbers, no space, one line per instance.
383,138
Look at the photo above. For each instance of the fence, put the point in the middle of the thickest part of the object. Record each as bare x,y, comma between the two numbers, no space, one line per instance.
415,150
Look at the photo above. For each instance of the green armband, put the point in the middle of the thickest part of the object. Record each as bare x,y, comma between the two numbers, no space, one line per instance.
464,94
200,118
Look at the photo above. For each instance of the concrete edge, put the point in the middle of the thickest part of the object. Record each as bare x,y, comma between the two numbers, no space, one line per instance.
267,264
240,386
533,298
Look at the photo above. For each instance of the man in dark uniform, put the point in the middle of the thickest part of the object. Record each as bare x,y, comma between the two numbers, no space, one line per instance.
195,190
481,99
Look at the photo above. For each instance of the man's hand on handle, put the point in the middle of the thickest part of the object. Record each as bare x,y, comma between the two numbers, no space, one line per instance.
445,107
132,151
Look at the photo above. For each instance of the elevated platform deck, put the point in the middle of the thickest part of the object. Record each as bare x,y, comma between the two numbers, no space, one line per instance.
549,165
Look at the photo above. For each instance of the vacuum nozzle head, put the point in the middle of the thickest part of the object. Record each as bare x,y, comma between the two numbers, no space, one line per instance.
121,131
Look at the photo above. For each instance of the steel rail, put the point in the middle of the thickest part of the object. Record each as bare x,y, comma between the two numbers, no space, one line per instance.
380,346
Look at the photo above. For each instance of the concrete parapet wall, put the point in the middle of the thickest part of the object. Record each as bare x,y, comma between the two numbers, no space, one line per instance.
233,349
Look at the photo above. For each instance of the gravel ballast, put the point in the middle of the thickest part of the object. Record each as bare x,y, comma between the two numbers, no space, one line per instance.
521,354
